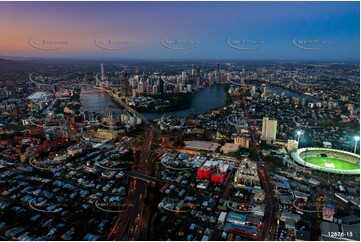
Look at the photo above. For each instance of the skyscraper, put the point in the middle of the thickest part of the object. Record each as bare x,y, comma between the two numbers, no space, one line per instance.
140,87
160,84
217,74
155,90
165,88
184,77
269,129
103,72
124,82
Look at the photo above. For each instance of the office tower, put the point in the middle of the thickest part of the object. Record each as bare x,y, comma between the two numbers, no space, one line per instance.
124,82
244,85
140,87
155,90
180,88
269,129
198,82
102,72
133,82
144,76
160,84
193,72
217,77
184,77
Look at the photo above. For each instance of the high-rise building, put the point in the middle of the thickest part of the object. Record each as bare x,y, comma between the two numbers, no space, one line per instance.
198,81
133,82
155,90
165,88
102,72
189,87
140,87
160,84
264,89
124,82
184,77
269,129
217,74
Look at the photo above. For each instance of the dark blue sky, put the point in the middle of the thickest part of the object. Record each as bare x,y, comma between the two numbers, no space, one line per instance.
331,29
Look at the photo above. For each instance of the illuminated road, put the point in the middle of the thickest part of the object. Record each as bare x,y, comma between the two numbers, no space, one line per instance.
269,215
132,224
265,232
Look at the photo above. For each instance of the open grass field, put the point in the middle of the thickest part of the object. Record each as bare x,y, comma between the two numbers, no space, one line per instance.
332,163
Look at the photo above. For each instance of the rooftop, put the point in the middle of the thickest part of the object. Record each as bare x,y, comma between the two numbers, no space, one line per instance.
201,145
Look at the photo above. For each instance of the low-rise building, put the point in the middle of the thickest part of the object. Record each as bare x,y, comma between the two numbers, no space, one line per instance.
292,145
242,142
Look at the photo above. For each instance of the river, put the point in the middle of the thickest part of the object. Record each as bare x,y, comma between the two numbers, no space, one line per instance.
290,94
203,100
94,100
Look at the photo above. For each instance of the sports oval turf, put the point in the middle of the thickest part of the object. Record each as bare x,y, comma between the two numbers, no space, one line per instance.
338,164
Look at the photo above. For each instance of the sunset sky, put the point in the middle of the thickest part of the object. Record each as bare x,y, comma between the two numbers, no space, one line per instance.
210,24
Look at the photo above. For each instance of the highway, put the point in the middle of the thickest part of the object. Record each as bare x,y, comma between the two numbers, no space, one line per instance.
132,224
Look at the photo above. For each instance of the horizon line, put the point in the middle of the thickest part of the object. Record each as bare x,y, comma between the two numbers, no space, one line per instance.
25,58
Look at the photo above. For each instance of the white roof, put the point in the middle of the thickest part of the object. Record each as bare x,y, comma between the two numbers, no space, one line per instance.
38,95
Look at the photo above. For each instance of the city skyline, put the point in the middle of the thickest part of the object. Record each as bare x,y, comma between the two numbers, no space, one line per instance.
300,31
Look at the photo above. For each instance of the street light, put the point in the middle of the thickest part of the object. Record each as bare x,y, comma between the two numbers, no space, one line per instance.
357,138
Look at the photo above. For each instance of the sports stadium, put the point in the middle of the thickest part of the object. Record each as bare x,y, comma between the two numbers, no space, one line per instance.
328,160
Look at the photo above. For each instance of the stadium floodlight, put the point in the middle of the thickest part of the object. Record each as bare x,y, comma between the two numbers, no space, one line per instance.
357,138
299,132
